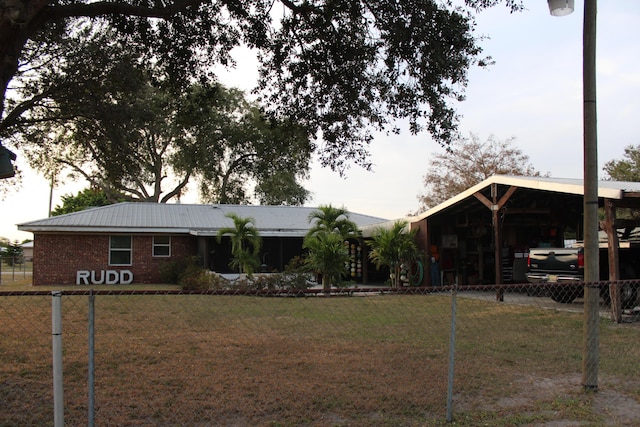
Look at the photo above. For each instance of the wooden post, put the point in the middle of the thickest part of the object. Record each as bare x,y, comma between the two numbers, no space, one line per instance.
497,240
609,225
496,205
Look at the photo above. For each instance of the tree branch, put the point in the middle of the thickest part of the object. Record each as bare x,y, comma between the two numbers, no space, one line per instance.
92,10
177,190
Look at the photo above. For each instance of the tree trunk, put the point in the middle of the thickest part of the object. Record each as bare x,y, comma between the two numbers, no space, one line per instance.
18,21
396,279
326,284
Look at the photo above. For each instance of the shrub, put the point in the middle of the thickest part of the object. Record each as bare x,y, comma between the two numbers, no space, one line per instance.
217,282
187,273
271,281
171,271
195,278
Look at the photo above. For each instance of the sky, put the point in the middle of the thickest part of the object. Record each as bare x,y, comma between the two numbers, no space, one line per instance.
532,93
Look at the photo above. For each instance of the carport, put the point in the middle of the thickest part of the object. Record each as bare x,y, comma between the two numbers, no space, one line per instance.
518,213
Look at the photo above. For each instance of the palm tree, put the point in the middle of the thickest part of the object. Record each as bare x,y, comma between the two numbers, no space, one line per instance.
328,256
332,220
245,243
325,240
392,247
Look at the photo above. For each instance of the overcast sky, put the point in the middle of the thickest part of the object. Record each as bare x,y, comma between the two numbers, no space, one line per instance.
533,93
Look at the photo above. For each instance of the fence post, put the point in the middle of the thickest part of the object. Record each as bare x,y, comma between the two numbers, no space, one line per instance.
452,349
56,332
90,379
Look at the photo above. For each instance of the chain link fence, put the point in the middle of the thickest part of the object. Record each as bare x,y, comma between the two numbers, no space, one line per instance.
490,355
15,268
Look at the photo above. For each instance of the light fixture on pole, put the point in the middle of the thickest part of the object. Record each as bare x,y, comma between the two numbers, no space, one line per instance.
6,167
560,7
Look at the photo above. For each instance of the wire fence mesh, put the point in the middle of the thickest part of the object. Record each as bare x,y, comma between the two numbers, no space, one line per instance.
15,268
359,357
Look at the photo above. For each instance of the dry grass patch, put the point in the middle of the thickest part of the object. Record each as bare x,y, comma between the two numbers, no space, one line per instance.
253,361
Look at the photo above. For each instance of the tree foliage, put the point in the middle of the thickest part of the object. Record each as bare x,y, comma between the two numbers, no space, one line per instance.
341,70
13,254
281,188
133,134
328,255
627,168
468,161
391,247
251,147
329,219
245,244
87,198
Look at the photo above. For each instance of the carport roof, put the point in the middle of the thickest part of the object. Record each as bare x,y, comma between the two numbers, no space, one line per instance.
200,220
606,189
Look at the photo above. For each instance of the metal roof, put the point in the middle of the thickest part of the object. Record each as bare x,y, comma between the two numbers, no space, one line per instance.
201,220
606,189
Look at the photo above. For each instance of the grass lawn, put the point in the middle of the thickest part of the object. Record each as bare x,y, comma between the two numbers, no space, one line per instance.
373,360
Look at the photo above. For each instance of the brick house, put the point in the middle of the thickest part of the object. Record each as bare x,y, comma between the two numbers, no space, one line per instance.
128,242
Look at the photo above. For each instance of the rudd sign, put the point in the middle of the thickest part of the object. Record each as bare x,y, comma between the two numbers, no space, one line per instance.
104,277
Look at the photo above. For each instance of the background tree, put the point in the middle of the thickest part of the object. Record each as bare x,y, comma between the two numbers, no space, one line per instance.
341,70
255,148
282,188
328,256
87,198
132,134
468,161
245,244
393,247
14,253
626,169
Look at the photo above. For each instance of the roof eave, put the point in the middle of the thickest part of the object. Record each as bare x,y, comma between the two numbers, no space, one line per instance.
576,188
103,230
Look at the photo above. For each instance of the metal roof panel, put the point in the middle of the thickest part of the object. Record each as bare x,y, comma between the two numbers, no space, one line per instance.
182,218
606,189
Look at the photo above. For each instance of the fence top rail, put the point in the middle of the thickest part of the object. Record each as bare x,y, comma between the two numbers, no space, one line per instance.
346,291
233,292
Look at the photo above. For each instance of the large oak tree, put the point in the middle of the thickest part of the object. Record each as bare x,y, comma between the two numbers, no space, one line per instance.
339,69
137,135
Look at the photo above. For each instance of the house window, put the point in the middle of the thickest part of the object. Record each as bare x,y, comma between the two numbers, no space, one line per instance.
162,246
120,250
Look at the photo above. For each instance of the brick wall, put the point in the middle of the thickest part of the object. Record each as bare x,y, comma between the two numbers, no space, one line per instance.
58,257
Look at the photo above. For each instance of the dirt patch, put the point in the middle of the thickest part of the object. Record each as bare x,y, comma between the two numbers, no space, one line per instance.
560,402
617,408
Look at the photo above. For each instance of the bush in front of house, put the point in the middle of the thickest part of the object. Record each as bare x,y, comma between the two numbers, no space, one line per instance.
187,273
266,282
171,271
294,277
195,278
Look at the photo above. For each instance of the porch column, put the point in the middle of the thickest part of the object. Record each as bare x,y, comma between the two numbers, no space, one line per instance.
496,205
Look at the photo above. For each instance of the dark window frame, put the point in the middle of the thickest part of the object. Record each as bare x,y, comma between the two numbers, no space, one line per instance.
120,250
163,246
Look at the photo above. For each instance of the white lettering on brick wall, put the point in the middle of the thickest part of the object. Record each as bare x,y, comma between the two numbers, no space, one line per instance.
104,277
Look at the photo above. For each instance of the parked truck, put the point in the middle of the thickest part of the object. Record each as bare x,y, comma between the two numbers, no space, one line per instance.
562,271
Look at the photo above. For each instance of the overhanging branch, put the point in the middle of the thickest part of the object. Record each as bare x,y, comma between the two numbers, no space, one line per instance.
93,10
